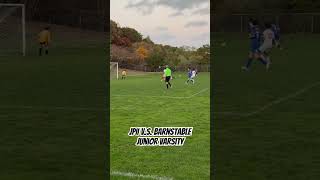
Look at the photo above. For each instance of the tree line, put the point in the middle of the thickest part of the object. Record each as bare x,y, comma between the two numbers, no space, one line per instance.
128,46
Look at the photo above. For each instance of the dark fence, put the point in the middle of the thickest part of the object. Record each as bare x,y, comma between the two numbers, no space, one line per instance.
288,22
76,18
180,68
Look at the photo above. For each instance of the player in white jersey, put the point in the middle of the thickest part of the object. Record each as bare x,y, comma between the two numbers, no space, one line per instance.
265,48
193,75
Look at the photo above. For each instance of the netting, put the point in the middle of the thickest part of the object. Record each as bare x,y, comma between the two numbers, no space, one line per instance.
11,30
114,71
288,22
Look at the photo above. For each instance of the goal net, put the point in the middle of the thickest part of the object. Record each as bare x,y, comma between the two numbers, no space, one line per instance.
114,70
12,29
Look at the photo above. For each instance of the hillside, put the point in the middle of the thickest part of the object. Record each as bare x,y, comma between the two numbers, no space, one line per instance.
131,49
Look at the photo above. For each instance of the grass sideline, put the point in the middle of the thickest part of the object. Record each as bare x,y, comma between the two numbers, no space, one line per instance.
143,105
39,140
280,142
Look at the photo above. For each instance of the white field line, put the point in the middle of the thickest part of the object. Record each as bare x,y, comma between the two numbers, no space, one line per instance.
53,108
88,108
171,97
139,75
272,103
135,176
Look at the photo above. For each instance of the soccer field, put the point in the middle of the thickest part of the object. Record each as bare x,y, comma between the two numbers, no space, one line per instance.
52,111
266,123
143,101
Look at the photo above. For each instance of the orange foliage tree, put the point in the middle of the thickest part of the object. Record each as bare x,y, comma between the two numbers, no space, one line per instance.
142,53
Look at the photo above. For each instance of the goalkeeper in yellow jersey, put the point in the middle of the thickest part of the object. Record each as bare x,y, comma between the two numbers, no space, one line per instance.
44,40
123,74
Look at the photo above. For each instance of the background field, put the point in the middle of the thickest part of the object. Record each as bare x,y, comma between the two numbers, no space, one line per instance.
143,101
53,108
280,140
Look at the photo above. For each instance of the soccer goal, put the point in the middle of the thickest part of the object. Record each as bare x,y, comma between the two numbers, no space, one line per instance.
12,29
114,70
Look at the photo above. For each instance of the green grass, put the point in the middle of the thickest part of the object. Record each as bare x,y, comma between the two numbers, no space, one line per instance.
140,102
281,142
52,111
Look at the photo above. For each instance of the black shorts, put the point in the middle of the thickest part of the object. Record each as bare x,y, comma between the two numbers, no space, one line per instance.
168,78
43,44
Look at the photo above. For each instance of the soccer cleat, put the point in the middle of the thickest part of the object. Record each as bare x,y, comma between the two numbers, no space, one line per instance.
244,68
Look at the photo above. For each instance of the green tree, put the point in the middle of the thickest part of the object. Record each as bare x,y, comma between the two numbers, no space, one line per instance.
156,58
148,40
132,34
204,52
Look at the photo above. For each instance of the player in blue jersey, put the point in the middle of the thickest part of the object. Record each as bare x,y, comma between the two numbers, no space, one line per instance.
190,76
255,39
276,32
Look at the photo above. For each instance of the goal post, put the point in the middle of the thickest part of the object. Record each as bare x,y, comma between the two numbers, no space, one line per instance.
12,29
114,70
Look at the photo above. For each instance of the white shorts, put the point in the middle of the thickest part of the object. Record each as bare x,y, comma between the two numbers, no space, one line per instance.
265,48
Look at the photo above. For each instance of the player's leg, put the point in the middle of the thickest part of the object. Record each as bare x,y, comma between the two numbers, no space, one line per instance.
40,49
167,82
267,58
278,45
46,48
168,78
268,62
249,61
262,59
261,54
250,58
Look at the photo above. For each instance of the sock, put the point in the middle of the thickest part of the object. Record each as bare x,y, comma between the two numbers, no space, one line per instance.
262,61
47,52
40,51
169,84
249,62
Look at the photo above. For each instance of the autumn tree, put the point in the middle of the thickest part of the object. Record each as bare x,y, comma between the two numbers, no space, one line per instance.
129,47
142,53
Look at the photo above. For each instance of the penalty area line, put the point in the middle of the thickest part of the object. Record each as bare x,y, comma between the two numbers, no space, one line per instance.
133,175
272,103
171,97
